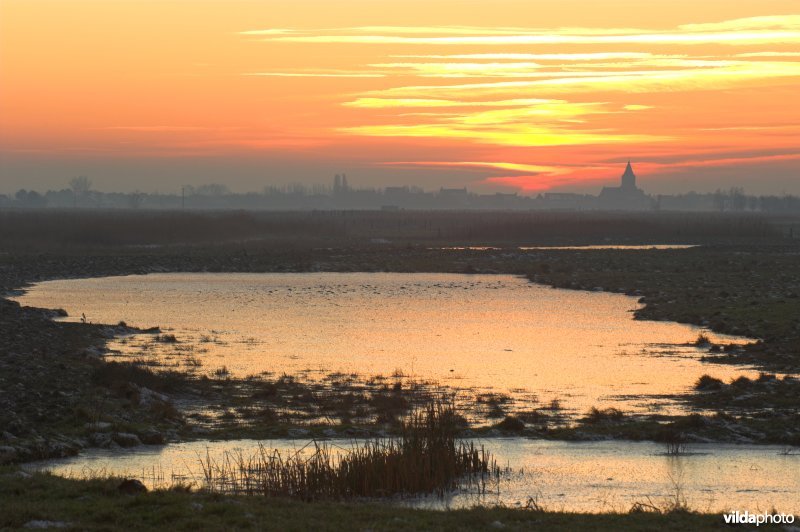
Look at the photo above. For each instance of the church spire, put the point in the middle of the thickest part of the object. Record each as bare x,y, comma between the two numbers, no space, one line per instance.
628,178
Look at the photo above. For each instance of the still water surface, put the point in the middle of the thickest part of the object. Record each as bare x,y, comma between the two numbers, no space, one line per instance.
496,332
617,247
469,331
581,477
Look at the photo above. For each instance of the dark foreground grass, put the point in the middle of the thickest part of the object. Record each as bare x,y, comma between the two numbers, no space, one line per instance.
98,505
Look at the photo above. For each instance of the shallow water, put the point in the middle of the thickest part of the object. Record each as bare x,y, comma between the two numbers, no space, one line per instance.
582,477
495,332
617,247
621,247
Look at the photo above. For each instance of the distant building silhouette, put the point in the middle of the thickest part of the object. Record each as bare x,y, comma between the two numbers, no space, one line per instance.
340,185
342,196
628,179
454,198
627,196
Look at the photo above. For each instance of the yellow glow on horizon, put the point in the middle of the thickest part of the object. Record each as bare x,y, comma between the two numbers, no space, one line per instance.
510,135
359,82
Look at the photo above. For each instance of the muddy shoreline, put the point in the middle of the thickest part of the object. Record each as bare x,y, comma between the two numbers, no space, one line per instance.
56,400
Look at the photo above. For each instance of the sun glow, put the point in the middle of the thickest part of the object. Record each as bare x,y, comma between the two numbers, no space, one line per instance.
560,101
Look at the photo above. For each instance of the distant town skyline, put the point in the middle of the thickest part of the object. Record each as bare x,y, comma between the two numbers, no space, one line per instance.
341,196
509,96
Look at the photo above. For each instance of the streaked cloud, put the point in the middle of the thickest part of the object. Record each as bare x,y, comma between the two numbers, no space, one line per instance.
320,74
744,31
628,81
728,38
514,122
518,167
504,135
525,70
590,56
514,94
544,99
782,128
769,54
527,177
155,128
461,69
749,23
379,103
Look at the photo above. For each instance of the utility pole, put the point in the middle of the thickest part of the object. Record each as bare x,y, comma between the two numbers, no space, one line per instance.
183,198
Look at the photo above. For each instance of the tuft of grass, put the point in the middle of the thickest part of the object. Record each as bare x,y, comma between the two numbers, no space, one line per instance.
426,458
702,340
222,372
605,415
741,383
194,362
534,416
554,405
708,383
165,339
511,424
676,448
674,441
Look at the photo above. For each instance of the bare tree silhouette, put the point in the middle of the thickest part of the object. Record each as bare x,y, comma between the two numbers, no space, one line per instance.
80,187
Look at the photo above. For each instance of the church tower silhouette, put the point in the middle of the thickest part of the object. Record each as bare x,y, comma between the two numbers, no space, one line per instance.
628,178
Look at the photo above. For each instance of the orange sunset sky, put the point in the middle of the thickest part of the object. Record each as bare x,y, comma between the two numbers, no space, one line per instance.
495,96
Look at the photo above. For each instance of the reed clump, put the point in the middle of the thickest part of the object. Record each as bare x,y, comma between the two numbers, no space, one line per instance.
426,458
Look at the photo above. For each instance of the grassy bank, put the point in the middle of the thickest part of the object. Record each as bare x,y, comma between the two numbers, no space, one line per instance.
57,395
99,505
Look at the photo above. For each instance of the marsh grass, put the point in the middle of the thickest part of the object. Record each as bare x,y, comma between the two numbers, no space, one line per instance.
605,415
221,372
121,374
708,383
702,340
426,458
676,448
675,502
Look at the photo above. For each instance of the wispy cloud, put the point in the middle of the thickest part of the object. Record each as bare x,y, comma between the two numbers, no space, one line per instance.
461,69
323,74
589,56
629,81
754,30
504,135
531,177
727,38
524,70
604,87
518,167
379,103
749,23
160,128
769,54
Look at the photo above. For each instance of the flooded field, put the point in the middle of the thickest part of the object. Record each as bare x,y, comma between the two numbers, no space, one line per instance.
482,332
578,248
557,476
